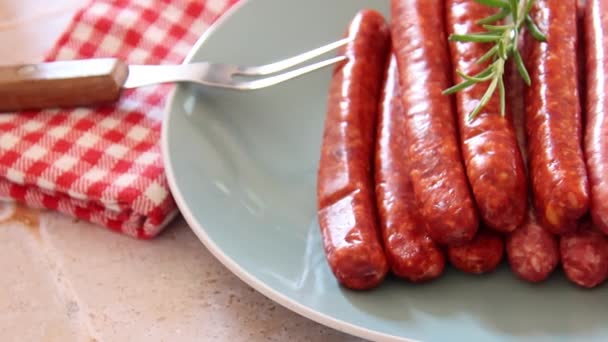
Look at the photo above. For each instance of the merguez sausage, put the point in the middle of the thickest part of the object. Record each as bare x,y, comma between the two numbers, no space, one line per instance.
440,185
411,253
585,252
553,119
596,132
482,255
346,204
585,256
532,250
492,158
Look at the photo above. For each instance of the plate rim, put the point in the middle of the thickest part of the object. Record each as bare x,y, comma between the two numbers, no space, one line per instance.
215,250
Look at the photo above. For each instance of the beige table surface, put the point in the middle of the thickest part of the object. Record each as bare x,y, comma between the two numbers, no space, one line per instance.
64,280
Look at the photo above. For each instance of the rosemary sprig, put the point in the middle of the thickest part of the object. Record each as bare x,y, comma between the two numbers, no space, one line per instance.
505,39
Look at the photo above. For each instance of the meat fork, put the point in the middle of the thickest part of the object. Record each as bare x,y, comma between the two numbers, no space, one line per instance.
101,80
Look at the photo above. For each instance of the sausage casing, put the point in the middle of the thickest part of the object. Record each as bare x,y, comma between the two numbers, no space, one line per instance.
493,162
532,250
596,109
345,191
585,252
437,173
553,119
411,253
482,255
584,256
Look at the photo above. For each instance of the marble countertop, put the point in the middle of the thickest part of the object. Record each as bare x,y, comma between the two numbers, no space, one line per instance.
66,280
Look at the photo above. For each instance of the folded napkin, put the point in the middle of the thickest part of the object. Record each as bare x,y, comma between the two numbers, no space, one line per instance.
104,164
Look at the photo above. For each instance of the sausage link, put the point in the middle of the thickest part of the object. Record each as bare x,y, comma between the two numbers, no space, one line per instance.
347,209
596,109
585,252
532,250
482,255
492,158
436,170
553,119
585,256
410,251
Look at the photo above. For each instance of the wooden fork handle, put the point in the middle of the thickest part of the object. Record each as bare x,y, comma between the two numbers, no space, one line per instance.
61,84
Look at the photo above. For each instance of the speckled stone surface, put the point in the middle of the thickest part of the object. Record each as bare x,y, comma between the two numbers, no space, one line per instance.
69,280
168,289
31,304
64,280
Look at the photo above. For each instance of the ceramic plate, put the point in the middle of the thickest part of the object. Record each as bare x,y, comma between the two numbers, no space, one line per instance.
242,168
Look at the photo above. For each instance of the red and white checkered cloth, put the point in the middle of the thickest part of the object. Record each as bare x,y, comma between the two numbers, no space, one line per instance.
104,165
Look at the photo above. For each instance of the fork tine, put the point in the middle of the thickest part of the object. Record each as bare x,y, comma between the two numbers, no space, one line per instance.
272,80
292,61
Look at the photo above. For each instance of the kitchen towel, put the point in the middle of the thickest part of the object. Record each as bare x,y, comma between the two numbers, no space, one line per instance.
104,164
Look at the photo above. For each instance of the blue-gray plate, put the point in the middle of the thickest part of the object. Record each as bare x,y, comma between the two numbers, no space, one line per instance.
242,168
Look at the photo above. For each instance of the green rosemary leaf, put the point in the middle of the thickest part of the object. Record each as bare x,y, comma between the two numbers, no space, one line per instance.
502,50
521,67
514,44
497,28
529,5
489,54
494,3
496,17
515,7
458,87
534,30
483,76
475,38
505,39
501,89
484,99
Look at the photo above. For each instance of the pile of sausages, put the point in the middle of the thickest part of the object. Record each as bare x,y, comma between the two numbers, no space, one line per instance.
407,183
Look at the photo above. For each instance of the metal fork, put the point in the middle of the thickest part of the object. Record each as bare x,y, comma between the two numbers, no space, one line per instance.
94,81
223,75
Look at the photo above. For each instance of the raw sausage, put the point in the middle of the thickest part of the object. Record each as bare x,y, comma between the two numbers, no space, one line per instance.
553,119
346,204
411,253
492,158
585,256
532,250
482,255
596,131
436,170
585,252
